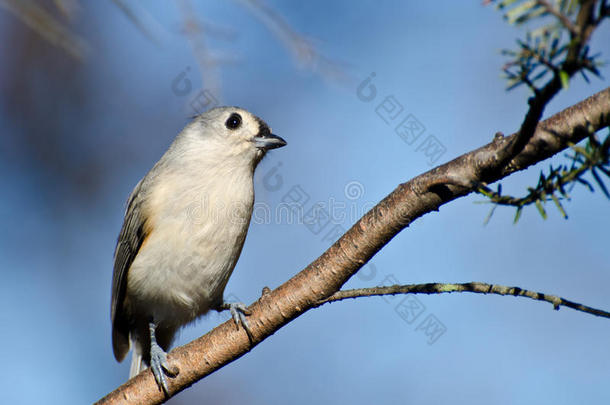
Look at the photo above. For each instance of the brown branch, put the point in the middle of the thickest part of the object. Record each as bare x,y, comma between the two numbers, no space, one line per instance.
573,63
325,276
565,21
473,287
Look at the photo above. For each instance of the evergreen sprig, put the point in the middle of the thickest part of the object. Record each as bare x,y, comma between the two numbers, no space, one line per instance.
553,50
593,158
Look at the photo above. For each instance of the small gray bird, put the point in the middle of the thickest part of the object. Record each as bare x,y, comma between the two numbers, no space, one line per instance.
171,266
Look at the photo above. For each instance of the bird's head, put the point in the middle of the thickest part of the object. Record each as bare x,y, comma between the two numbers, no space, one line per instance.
232,134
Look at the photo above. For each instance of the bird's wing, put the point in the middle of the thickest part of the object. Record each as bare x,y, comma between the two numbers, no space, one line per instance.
133,233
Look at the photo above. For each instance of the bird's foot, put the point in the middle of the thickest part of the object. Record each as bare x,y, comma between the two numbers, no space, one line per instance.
160,368
159,365
239,311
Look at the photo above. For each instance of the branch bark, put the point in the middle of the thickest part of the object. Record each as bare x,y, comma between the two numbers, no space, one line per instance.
473,287
325,276
572,64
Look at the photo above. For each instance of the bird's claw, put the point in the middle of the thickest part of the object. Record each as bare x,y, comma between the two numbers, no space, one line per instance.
239,311
160,368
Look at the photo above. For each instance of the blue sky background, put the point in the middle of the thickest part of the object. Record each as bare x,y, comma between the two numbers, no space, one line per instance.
77,137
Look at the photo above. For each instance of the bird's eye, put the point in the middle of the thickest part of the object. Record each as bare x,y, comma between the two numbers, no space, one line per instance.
234,121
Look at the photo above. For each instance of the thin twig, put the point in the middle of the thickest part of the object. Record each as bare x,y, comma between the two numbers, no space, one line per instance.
48,27
305,53
210,77
594,156
560,16
139,19
571,65
473,287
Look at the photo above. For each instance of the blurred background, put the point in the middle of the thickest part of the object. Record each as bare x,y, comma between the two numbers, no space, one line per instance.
89,103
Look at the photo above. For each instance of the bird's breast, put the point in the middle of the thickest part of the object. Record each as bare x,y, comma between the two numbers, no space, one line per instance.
198,232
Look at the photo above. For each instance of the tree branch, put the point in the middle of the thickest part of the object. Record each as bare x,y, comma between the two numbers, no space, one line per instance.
325,276
565,21
573,63
473,287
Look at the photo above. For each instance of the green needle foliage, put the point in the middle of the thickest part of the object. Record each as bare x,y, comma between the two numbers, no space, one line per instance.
554,49
593,158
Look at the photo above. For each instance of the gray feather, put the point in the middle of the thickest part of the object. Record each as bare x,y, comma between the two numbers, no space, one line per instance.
131,237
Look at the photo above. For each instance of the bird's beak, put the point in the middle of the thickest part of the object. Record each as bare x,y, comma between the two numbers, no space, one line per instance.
268,141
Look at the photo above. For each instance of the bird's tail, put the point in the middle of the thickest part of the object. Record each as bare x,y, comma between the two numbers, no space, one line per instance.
137,364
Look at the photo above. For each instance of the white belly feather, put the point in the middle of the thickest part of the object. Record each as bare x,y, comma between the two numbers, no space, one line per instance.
183,266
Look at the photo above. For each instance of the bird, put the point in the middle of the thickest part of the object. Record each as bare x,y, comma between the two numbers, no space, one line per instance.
170,265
